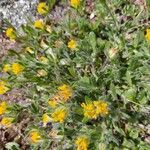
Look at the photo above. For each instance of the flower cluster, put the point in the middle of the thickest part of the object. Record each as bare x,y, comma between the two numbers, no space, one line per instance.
15,68
63,94
59,115
82,143
93,109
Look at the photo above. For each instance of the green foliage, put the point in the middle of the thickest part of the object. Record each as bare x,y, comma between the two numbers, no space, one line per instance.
110,63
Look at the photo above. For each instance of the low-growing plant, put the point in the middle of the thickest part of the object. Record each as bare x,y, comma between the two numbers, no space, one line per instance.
86,78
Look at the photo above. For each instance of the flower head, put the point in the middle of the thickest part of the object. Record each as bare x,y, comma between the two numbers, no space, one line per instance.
72,44
94,109
147,35
35,137
3,107
75,3
39,24
3,87
10,33
65,92
52,103
101,107
42,8
6,121
59,115
82,143
46,119
17,68
89,110
6,68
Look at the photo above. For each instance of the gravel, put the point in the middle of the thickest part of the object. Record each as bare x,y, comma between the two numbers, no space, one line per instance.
18,11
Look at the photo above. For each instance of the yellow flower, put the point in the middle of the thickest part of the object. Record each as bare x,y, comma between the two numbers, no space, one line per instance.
6,68
28,49
41,73
39,24
101,107
59,115
3,87
94,109
44,60
72,44
10,33
45,119
63,87
65,92
89,110
17,68
42,8
147,35
35,137
75,3
82,143
52,103
3,107
6,121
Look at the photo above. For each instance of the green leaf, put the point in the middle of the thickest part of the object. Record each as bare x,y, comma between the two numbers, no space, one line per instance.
119,130
128,77
72,71
92,40
128,143
51,3
87,100
79,111
134,133
130,94
85,119
13,52
34,108
102,146
102,1
113,91
12,146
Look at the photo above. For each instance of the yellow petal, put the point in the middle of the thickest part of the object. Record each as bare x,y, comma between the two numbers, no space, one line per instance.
6,121
39,24
42,8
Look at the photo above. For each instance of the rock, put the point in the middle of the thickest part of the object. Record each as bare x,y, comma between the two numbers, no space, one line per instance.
18,11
